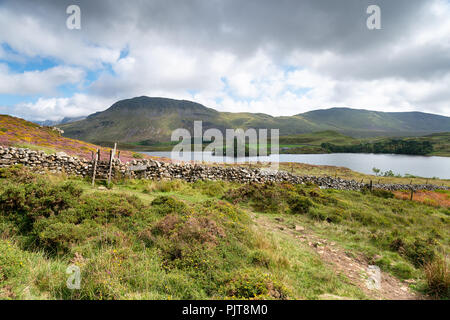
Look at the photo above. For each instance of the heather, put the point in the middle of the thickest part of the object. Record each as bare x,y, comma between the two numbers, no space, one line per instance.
21,133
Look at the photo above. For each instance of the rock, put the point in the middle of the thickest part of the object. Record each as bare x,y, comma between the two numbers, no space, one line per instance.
61,154
299,228
410,281
317,244
376,257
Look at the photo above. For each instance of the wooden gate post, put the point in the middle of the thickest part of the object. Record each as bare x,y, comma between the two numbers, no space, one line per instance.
111,158
94,171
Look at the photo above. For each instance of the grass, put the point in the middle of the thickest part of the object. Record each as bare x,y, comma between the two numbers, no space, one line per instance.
345,173
177,240
438,277
47,150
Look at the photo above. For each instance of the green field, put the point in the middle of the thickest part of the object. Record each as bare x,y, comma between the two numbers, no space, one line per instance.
141,239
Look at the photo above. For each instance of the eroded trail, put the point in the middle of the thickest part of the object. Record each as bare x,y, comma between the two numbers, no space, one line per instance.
354,267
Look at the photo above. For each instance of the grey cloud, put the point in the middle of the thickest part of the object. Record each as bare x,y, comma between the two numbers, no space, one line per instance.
243,27
239,26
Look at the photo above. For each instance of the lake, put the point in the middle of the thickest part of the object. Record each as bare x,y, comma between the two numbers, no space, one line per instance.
362,162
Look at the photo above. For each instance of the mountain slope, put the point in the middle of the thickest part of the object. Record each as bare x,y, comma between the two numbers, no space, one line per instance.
374,123
16,132
154,119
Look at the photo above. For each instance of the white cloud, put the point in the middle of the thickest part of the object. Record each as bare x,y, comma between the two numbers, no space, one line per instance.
38,82
58,108
37,36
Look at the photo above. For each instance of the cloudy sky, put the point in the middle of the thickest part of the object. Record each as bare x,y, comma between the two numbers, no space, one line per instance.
278,57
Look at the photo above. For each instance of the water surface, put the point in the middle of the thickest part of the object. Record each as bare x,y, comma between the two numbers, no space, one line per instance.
362,162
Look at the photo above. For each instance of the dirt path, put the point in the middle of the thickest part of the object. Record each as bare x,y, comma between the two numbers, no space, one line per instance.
353,267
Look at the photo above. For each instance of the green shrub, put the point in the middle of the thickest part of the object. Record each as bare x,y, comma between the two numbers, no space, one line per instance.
105,207
12,261
17,173
41,199
59,237
210,188
420,252
299,204
271,197
260,258
165,205
398,245
317,214
253,284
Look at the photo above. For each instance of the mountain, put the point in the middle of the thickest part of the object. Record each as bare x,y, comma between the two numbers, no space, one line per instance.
153,120
365,123
51,123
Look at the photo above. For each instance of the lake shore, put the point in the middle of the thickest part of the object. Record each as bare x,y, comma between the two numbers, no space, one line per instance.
406,166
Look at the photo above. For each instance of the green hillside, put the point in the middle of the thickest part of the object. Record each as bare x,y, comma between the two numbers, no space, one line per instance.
365,123
153,120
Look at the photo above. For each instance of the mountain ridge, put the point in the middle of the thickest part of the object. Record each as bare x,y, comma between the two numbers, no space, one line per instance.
142,118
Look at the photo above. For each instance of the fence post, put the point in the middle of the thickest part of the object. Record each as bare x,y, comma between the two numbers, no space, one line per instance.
111,159
95,167
412,193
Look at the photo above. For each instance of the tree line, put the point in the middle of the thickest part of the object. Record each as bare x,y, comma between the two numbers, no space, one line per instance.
395,146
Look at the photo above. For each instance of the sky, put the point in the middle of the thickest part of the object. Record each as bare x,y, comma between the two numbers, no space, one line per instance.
277,57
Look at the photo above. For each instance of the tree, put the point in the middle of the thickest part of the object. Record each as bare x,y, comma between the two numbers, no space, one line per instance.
376,171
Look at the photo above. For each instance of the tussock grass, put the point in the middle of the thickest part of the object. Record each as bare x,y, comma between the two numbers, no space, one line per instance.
437,275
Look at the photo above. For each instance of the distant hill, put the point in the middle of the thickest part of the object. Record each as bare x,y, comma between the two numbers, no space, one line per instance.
58,122
365,123
153,119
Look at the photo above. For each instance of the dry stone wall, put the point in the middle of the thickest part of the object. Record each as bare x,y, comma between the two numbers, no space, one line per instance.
151,169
